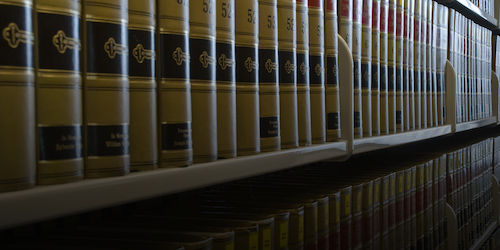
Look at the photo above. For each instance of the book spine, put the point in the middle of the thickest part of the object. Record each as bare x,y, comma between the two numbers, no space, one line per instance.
392,66
375,67
435,202
367,213
303,74
105,81
384,213
346,218
461,66
317,72
357,15
420,206
377,216
332,101
423,65
428,205
334,220
406,64
413,228
247,87
366,67
399,80
174,88
202,24
442,47
287,50
226,75
17,92
357,216
417,53
392,214
268,76
414,65
142,63
400,211
428,66
58,91
407,209
383,68
437,106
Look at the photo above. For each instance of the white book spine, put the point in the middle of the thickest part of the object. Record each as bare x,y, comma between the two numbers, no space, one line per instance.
268,76
430,88
142,59
400,80
287,49
226,80
202,21
423,65
174,89
17,97
366,67
58,91
384,70
106,88
332,78
357,16
417,66
375,68
303,74
392,66
317,72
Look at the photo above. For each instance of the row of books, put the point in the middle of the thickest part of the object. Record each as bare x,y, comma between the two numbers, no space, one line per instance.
493,241
469,50
487,6
172,83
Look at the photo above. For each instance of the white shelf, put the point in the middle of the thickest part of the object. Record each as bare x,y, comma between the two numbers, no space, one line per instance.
363,145
471,11
47,202
460,127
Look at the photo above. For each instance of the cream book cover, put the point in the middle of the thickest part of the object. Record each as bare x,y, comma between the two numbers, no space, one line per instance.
202,33
400,80
17,96
317,70
269,101
428,65
106,103
417,66
58,91
303,74
423,65
287,52
376,70
174,89
247,86
391,65
384,67
357,16
332,102
142,72
366,67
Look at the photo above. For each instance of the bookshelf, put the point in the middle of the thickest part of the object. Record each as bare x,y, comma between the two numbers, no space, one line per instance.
468,9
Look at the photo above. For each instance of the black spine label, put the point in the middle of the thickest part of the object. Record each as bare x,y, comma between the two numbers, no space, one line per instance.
269,127
438,83
142,53
384,73
203,59
317,70
357,119
423,80
17,37
175,56
288,67
332,71
107,140
375,76
59,42
333,121
303,69
357,75
107,48
429,82
416,81
392,78
176,136
399,79
268,66
226,65
399,117
247,64
406,82
366,75
60,143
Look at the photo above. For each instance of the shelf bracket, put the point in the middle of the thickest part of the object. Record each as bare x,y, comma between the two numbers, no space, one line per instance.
451,104
346,96
495,96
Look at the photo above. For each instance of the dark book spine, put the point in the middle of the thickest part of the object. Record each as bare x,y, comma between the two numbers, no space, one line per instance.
332,74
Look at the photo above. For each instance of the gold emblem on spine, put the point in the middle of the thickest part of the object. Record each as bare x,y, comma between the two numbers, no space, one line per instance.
270,66
206,59
366,76
62,42
335,70
318,69
113,48
15,36
141,54
180,56
303,68
289,67
250,64
225,62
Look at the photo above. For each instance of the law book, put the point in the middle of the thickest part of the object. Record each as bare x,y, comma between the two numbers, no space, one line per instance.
406,76
435,202
392,214
357,16
423,65
376,70
414,65
174,88
399,79
17,96
142,73
202,48
226,75
442,201
420,206
303,74
383,68
391,66
400,210
317,70
436,105
428,68
106,106
334,220
407,208
247,86
366,67
384,212
332,95
287,50
377,208
357,216
269,108
58,91
442,46
452,57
